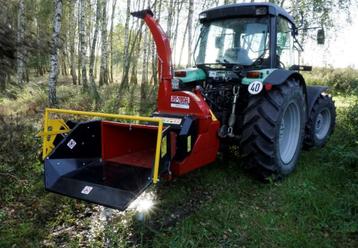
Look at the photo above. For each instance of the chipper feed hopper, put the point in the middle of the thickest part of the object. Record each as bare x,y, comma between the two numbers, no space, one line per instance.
242,92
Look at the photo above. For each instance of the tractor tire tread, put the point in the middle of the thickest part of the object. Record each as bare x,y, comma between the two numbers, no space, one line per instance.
261,117
323,99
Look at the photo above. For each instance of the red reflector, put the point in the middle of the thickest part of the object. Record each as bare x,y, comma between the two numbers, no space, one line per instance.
180,73
253,74
268,86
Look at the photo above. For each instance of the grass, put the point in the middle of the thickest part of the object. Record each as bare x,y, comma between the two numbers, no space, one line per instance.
219,205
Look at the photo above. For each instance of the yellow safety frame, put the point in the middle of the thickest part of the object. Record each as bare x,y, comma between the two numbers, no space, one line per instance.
47,133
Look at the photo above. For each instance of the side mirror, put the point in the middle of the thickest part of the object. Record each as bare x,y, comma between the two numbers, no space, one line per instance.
219,42
320,36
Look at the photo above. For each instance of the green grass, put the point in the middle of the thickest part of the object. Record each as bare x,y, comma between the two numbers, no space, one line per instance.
219,205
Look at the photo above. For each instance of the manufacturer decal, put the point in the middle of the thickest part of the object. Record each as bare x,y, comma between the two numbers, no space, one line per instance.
71,144
167,120
255,87
182,102
86,190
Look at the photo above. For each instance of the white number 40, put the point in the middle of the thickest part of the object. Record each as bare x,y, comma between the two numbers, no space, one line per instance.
255,87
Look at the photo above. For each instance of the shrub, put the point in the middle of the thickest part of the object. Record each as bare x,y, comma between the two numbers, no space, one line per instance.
340,80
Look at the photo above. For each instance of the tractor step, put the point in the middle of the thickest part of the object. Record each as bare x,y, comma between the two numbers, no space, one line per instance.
108,163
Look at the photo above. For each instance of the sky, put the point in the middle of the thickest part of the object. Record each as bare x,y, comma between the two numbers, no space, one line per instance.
340,50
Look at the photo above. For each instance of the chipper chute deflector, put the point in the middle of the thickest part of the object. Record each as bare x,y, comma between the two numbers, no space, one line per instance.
245,92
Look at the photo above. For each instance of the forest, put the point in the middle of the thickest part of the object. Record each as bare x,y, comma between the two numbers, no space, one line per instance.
92,55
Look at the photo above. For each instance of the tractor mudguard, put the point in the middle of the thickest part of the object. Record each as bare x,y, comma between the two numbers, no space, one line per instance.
313,92
279,76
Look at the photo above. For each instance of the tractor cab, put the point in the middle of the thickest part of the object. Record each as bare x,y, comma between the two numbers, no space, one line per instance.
251,36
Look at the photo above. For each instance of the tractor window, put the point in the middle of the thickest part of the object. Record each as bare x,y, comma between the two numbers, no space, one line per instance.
254,39
235,41
285,50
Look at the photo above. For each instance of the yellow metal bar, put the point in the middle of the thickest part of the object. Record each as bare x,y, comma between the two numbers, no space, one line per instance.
115,116
98,114
52,132
157,152
44,153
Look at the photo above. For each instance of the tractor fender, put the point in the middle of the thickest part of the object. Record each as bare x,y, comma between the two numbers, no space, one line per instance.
279,76
313,92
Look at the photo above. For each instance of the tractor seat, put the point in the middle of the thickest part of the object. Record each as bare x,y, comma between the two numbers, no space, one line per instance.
237,55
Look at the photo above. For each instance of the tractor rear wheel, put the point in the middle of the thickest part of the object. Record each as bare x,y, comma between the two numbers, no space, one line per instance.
321,122
273,130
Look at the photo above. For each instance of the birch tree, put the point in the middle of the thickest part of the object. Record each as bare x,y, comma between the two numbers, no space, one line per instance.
103,75
72,41
143,86
190,30
20,54
82,41
126,43
170,18
79,61
55,42
111,39
93,88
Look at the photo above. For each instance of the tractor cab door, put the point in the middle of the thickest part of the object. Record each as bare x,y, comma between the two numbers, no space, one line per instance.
286,53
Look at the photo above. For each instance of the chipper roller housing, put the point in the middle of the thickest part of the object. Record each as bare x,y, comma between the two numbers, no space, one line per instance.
244,91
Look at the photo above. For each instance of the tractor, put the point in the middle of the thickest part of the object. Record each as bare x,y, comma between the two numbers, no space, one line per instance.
245,91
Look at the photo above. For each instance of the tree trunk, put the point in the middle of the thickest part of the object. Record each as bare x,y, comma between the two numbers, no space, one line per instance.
72,42
183,43
143,86
126,63
53,53
190,30
111,39
20,64
154,51
93,88
103,75
2,81
79,61
64,65
175,35
170,18
82,41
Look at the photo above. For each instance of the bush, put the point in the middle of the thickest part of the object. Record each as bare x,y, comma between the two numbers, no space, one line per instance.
340,80
350,122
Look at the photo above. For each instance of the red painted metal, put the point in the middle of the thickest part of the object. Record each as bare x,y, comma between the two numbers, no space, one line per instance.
164,56
204,151
129,144
206,144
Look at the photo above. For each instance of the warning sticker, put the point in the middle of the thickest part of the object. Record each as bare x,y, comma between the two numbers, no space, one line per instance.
86,190
182,102
71,144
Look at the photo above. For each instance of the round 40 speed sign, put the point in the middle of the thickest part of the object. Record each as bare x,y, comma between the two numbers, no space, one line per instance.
255,87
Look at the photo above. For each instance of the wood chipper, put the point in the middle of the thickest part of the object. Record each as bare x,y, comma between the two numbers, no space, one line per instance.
244,91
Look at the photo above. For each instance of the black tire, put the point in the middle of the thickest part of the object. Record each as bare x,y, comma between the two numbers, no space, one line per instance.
321,122
259,142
